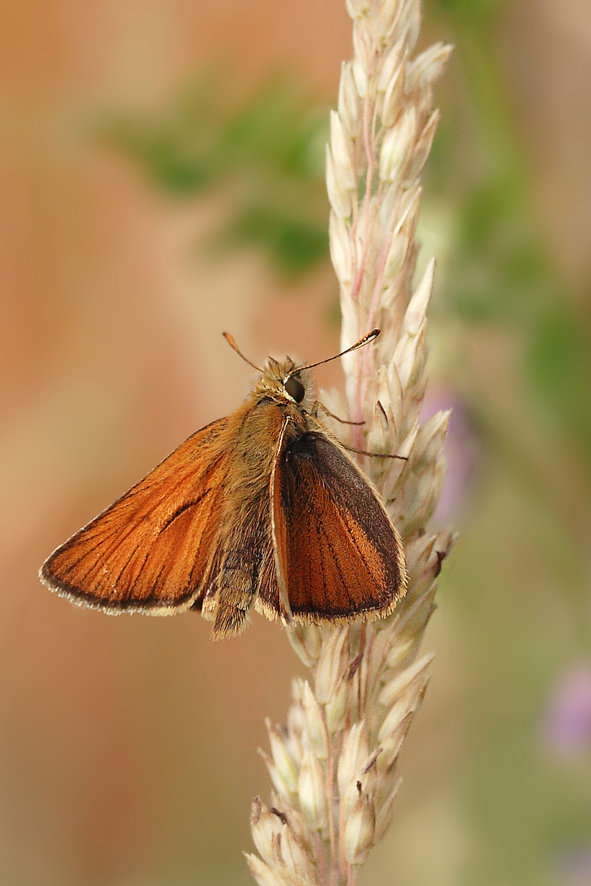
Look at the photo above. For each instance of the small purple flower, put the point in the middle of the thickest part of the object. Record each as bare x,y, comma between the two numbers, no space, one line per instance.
461,448
567,727
573,866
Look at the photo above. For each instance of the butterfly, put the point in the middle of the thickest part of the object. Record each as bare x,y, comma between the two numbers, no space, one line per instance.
264,508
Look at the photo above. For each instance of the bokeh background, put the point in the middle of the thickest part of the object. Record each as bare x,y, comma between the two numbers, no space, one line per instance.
161,179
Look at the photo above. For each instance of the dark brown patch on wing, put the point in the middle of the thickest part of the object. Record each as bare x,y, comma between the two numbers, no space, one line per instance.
340,555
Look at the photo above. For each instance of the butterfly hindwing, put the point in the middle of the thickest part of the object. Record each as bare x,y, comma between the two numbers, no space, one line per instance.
149,551
336,549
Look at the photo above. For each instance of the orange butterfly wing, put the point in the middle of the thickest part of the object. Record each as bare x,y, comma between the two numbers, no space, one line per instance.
337,554
150,550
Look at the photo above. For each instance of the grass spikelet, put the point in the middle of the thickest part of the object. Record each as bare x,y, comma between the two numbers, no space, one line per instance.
334,766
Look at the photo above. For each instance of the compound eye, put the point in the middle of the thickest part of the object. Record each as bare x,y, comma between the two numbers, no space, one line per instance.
295,388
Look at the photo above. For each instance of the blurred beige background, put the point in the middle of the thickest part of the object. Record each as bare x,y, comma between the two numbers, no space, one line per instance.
128,746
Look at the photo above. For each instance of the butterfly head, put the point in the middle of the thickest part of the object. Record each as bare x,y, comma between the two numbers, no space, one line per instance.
290,383
285,380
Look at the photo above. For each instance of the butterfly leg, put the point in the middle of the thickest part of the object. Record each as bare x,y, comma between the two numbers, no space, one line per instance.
317,405
374,454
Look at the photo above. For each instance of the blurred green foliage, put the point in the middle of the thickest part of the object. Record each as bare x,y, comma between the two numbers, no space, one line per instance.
500,270
266,157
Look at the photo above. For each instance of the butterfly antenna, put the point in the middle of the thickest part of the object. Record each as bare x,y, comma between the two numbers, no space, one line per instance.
230,339
360,344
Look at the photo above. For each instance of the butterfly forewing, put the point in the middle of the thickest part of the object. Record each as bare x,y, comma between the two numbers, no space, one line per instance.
150,550
338,552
